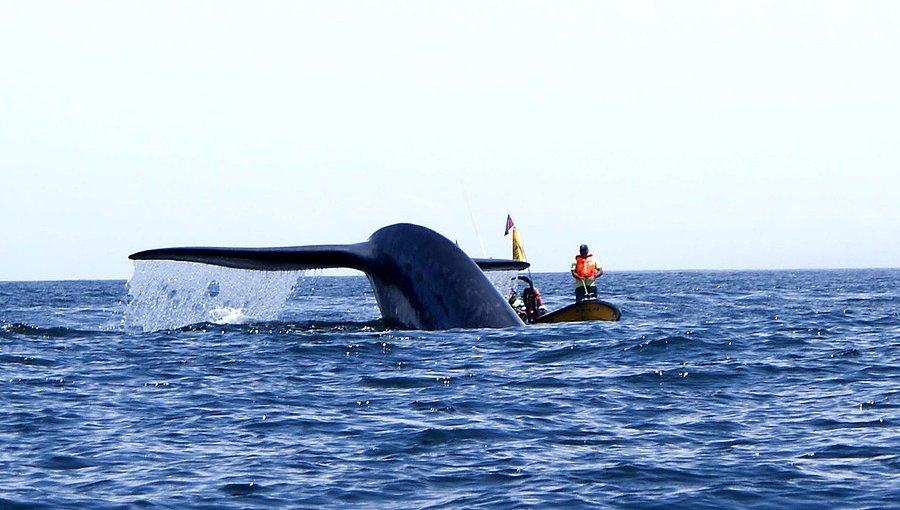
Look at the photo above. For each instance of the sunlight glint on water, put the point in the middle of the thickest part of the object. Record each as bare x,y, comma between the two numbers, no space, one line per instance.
168,295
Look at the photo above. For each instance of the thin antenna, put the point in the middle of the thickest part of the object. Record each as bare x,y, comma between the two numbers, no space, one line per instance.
472,217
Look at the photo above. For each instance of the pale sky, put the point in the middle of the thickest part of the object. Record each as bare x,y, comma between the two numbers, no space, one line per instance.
666,135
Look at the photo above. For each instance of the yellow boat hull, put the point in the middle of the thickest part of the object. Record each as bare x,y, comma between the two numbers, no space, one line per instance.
583,311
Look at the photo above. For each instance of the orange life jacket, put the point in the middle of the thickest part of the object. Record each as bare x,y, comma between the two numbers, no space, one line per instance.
585,267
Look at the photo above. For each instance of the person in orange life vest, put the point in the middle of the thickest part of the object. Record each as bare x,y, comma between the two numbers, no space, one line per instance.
585,270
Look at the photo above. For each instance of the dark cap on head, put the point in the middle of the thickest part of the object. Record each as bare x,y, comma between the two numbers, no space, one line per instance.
583,247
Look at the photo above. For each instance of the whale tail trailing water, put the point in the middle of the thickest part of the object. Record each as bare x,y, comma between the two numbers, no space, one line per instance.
421,279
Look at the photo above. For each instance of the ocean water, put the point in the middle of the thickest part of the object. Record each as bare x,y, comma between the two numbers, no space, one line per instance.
715,390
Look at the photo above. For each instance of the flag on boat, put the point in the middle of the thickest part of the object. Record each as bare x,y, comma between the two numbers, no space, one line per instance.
518,252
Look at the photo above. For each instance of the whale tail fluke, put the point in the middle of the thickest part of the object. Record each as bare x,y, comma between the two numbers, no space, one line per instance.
421,279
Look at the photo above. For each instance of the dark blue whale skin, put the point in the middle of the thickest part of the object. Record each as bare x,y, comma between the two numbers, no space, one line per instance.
421,279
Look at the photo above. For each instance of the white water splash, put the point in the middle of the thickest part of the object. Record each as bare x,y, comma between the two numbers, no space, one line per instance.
504,281
168,295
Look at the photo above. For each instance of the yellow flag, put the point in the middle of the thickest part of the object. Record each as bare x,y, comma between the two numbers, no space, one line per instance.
518,252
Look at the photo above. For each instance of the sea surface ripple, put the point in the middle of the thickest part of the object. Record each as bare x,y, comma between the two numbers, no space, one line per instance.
763,389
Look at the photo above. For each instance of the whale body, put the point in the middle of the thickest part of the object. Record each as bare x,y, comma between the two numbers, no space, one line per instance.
421,279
